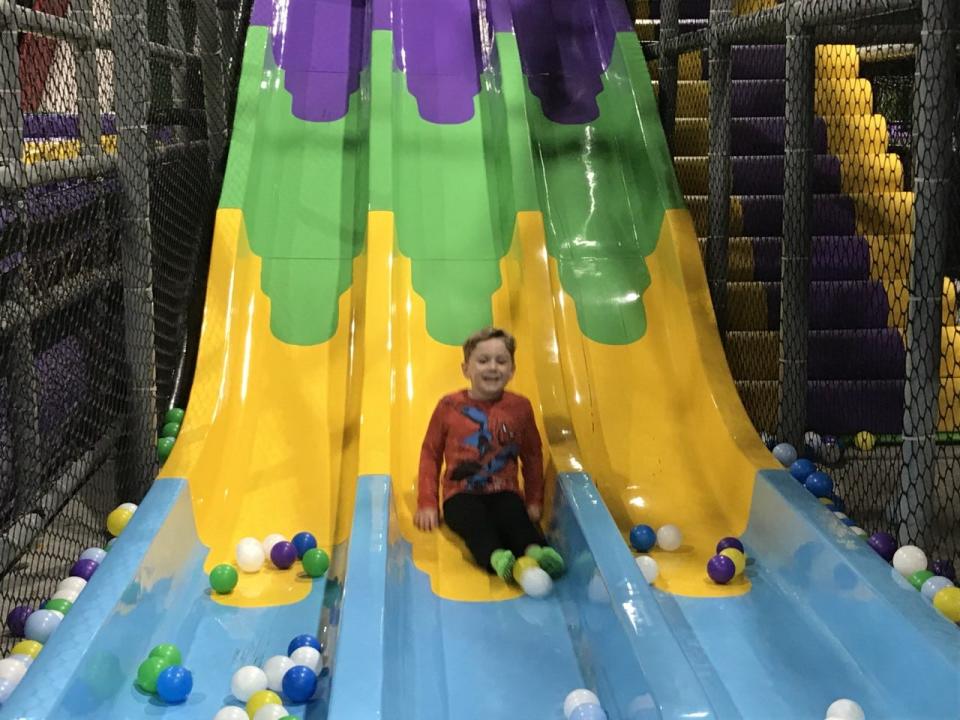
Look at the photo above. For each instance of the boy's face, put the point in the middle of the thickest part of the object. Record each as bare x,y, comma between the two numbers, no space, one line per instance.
488,369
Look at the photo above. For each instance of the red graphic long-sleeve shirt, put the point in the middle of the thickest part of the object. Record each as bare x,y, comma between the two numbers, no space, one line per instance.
480,442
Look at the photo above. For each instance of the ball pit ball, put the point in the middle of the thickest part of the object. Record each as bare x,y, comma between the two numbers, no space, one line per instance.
164,448
858,531
768,440
315,562
299,683
275,668
246,681
642,538
909,559
16,619
250,555
578,697
174,414
884,544
76,584
918,578
307,656
933,585
231,712
84,569
738,558
812,442
944,568
269,541
168,652
41,625
849,522
283,554
303,541
785,453
523,564
149,671
947,601
6,690
223,578
174,684
649,567
132,507
305,640
831,451
819,484
12,670
837,502
729,542
117,520
802,468
27,647
669,538
721,569
270,712
93,553
588,711
170,430
58,604
536,583
865,441
261,698
25,659
844,709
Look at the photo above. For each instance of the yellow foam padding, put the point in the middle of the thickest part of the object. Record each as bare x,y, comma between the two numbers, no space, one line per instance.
761,396
269,441
837,61
857,134
889,213
692,174
640,9
898,297
949,352
889,256
699,210
690,66
746,306
871,173
693,98
691,136
739,262
746,7
653,69
949,401
35,151
647,30
844,96
754,355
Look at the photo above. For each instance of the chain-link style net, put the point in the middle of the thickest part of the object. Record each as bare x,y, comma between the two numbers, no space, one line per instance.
819,155
112,132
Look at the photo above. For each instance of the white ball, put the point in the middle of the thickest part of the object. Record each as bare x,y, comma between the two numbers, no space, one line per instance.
275,668
70,595
858,531
934,585
231,712
76,584
649,567
306,655
909,559
536,583
812,440
270,540
669,538
25,659
844,709
6,690
578,698
250,557
132,507
246,681
271,712
597,589
12,670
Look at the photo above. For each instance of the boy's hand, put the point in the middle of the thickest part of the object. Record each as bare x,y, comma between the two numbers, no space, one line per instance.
426,519
534,511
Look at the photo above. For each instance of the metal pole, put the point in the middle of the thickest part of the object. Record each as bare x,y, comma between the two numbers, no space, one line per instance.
175,40
934,105
132,93
669,31
211,68
720,177
797,201
85,73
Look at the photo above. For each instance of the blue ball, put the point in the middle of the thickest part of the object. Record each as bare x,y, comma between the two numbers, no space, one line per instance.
642,537
801,469
303,541
302,641
785,453
588,711
299,683
849,522
820,484
41,625
838,503
174,684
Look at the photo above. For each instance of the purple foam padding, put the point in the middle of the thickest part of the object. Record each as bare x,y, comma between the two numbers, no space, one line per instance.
874,354
844,257
832,215
757,98
763,174
849,304
764,136
40,126
844,407
757,62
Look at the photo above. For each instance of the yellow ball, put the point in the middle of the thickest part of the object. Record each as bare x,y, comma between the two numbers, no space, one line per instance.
261,698
864,440
947,601
522,565
118,519
826,501
739,559
27,647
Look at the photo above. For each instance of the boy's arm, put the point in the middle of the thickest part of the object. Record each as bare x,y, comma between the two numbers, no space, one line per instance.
531,455
431,461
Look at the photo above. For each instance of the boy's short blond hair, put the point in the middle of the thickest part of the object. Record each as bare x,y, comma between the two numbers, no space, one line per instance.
489,333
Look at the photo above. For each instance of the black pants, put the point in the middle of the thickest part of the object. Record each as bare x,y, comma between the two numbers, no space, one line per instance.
490,522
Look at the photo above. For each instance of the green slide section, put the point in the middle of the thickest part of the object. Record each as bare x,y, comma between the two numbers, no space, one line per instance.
302,188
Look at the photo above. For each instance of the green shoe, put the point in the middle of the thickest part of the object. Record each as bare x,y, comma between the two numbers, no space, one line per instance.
548,559
502,563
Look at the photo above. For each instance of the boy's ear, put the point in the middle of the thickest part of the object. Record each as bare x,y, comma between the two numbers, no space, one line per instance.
463,369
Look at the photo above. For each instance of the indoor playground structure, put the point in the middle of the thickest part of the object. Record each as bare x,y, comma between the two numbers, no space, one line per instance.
399,174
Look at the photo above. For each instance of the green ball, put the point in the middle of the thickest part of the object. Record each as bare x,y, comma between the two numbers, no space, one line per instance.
174,415
164,446
171,430
315,562
149,671
919,578
223,578
58,604
168,652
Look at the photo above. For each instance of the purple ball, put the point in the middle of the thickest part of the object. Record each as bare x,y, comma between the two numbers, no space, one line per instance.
884,544
283,554
84,568
721,569
16,619
937,567
729,542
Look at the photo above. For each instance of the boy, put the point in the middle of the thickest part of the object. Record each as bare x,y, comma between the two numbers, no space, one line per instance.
481,433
